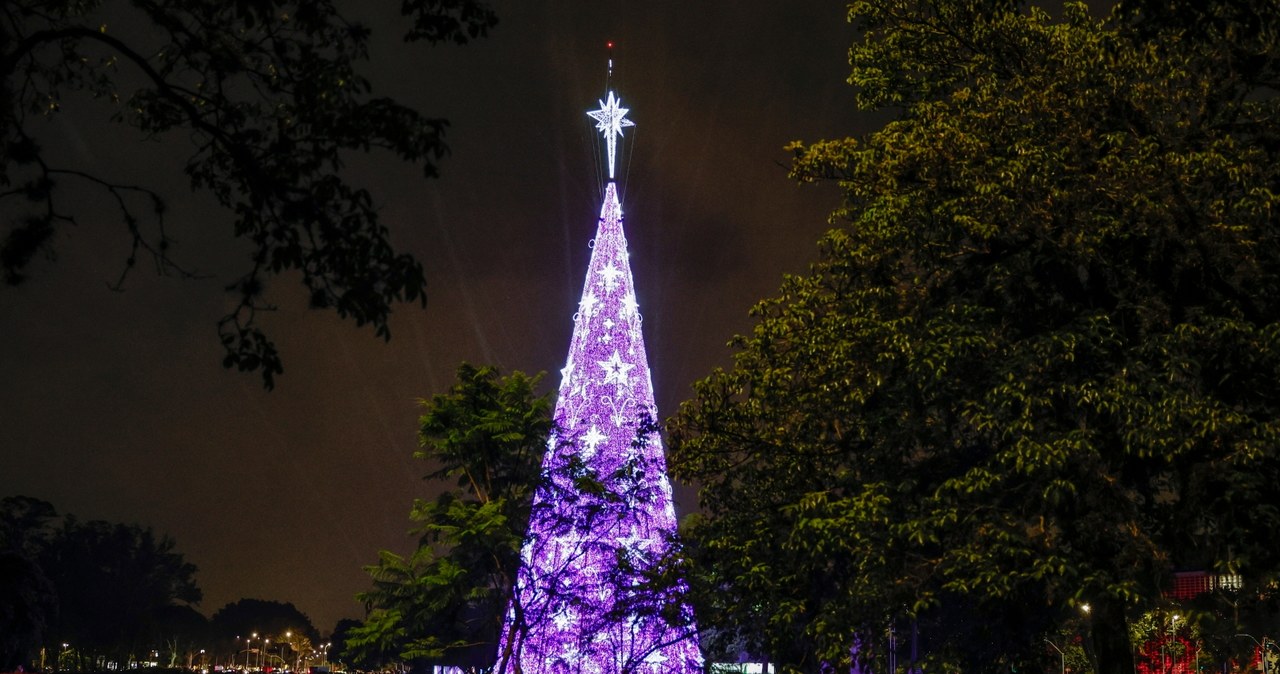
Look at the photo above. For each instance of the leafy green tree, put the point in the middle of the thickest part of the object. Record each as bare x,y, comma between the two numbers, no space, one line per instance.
1037,365
26,525
271,98
485,438
112,590
114,583
28,603
337,645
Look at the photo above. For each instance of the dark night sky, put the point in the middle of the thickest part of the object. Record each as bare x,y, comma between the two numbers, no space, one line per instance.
114,405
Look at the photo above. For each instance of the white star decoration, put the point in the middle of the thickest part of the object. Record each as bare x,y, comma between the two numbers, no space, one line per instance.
633,540
611,119
610,274
563,619
630,306
565,373
591,440
588,305
615,371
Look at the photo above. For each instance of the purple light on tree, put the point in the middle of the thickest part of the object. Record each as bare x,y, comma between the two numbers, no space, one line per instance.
604,515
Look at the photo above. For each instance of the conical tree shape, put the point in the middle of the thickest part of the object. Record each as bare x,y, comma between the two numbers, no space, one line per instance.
605,513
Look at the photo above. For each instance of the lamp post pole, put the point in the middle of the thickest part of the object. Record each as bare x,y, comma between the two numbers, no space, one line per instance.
893,650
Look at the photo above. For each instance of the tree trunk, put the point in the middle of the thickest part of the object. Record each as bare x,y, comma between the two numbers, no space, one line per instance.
1110,636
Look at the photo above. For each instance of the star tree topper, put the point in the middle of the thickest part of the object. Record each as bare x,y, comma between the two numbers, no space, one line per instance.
611,119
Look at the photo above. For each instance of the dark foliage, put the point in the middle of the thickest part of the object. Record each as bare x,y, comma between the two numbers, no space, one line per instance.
267,618
1035,366
270,98
112,590
485,440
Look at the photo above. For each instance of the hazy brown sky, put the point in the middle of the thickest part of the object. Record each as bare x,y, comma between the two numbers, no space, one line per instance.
114,405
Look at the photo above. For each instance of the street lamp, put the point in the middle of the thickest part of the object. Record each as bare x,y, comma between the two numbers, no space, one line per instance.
1262,648
1173,634
1060,654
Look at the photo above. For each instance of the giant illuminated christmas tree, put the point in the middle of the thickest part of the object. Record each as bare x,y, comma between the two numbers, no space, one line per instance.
582,603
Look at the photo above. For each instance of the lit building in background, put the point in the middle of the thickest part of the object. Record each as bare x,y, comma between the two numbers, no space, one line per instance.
605,514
